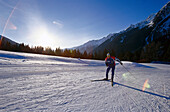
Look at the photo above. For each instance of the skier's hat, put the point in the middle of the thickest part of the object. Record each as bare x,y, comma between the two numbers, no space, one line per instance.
108,54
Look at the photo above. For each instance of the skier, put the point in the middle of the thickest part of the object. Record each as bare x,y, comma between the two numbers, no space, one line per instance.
110,63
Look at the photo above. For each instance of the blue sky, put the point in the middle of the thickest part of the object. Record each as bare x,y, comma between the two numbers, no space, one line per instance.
69,23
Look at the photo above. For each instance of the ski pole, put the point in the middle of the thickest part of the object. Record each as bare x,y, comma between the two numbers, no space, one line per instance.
127,70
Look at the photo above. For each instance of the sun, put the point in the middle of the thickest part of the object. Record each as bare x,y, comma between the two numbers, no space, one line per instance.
41,36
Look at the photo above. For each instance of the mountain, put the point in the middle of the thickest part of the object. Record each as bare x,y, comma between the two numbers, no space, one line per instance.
142,40
129,39
92,44
9,45
161,24
134,37
5,39
155,29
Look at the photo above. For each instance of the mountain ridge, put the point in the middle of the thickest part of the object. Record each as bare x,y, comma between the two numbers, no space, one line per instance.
91,44
156,23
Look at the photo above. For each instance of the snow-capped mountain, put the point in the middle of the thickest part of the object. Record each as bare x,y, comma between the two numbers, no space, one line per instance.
135,36
161,24
92,44
148,21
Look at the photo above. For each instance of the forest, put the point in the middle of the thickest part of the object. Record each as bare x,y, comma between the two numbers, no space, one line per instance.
158,50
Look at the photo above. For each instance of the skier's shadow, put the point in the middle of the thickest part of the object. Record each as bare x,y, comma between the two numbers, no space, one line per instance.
151,93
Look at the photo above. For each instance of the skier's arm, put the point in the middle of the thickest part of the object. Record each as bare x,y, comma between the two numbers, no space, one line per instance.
118,61
106,62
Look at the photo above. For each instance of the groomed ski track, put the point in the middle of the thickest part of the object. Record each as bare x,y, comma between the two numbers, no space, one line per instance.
35,83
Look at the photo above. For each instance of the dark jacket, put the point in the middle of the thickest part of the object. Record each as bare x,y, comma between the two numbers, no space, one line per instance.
111,61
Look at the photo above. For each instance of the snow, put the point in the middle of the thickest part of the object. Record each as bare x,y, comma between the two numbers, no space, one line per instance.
165,27
123,37
142,24
90,45
164,10
146,40
32,82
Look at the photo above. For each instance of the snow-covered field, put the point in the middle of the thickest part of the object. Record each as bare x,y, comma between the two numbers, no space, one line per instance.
35,83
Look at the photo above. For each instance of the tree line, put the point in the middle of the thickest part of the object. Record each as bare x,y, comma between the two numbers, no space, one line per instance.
47,50
158,50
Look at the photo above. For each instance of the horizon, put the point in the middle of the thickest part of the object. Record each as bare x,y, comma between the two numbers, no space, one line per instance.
70,23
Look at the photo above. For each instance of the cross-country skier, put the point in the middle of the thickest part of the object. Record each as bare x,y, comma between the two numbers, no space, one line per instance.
110,63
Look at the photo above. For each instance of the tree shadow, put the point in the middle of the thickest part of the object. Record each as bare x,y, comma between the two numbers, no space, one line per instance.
151,93
14,56
141,65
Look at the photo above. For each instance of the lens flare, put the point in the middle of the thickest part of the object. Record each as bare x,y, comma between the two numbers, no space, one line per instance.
11,26
145,85
9,18
7,22
127,76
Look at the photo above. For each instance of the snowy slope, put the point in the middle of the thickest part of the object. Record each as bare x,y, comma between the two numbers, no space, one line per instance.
31,82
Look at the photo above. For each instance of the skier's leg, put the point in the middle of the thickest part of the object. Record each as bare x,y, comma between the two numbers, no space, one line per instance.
107,71
113,70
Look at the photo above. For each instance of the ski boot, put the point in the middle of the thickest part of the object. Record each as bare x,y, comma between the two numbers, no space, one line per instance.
105,79
112,82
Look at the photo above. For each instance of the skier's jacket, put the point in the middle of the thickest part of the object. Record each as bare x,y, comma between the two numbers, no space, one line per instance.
111,61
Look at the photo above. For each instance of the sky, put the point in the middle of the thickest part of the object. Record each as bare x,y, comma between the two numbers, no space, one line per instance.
70,23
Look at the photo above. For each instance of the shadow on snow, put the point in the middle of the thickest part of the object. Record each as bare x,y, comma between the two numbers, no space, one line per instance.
14,56
151,93
141,65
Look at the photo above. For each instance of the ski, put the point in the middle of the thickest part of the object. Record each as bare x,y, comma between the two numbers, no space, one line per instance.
109,80
100,80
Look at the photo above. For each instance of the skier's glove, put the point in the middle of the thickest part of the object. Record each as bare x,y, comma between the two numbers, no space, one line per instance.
106,64
121,63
